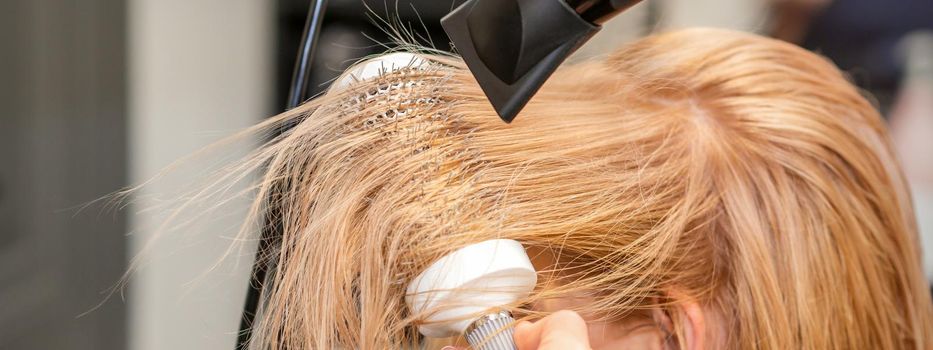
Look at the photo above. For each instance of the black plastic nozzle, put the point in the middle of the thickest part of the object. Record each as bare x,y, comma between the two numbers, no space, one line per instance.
513,46
600,11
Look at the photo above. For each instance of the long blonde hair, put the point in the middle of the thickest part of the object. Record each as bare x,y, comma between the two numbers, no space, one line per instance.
745,172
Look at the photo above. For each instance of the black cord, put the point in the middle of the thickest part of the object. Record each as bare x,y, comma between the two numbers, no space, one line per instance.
271,234
300,77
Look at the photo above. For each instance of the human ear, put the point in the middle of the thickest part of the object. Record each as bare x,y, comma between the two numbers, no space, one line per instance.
692,321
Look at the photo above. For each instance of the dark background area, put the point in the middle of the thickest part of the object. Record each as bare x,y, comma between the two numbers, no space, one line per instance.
348,33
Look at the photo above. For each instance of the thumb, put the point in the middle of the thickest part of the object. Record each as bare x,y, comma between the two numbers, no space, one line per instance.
564,330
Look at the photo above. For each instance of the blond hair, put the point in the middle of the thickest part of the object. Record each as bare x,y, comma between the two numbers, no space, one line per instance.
744,172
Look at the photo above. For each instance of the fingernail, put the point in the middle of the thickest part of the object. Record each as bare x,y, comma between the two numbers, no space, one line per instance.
448,347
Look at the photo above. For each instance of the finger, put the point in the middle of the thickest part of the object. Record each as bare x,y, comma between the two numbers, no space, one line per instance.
564,330
560,330
527,335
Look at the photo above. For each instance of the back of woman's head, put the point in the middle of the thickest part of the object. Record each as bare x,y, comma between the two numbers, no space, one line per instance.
743,173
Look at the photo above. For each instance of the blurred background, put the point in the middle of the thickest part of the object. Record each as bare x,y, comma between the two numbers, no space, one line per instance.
96,95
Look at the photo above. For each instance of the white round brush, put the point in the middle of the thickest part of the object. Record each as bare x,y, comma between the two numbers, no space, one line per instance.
465,292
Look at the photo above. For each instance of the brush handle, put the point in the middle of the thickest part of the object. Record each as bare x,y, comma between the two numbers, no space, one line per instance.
492,332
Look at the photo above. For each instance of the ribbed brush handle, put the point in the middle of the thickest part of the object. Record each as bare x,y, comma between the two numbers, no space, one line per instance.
492,332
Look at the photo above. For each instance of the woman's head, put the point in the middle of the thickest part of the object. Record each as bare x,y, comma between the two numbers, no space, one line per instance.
736,173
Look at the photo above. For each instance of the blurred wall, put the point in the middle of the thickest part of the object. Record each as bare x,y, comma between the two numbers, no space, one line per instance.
659,15
747,15
199,70
62,145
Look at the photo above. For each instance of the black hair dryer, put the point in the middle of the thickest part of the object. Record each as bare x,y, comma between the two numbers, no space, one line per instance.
513,46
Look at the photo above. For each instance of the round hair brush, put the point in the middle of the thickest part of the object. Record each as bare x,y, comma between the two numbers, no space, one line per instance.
466,292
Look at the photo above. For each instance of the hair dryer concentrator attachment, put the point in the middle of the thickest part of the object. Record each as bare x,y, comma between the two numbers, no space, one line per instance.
465,292
513,46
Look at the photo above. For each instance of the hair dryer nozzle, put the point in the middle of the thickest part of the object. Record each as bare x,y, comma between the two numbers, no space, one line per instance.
513,46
